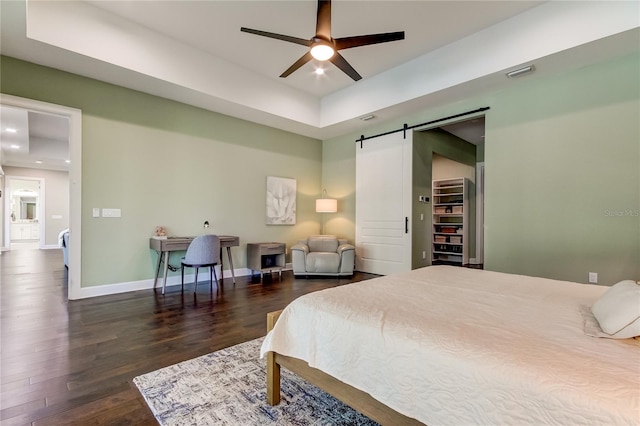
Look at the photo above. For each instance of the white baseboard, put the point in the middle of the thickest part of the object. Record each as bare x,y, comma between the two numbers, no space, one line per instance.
46,247
173,280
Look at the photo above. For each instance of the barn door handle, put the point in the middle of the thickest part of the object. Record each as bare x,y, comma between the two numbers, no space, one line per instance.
406,224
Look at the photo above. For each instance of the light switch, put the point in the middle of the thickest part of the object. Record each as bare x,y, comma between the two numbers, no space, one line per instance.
96,212
111,213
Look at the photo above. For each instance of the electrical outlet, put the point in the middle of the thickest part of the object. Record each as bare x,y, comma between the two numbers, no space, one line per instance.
593,277
424,254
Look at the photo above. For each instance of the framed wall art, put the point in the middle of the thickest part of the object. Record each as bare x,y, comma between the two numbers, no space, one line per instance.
281,201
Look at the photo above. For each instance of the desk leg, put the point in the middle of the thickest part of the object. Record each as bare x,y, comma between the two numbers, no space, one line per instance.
166,266
233,274
221,267
155,281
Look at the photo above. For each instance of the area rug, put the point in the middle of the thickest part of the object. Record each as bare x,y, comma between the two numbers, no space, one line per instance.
227,387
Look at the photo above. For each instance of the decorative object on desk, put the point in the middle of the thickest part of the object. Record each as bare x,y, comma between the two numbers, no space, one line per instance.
281,201
160,232
228,387
326,205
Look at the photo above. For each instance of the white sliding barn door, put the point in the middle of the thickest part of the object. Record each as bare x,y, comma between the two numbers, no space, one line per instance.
383,204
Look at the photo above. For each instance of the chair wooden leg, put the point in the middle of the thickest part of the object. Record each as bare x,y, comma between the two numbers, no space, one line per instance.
195,283
182,275
210,278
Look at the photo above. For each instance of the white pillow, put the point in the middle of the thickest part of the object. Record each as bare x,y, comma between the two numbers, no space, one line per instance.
618,310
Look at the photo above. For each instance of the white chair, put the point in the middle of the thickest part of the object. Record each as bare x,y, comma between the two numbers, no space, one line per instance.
203,252
323,255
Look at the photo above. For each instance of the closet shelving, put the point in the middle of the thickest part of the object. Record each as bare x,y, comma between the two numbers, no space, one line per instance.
450,236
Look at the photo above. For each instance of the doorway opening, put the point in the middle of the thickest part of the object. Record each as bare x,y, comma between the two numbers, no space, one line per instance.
455,150
473,131
43,114
24,225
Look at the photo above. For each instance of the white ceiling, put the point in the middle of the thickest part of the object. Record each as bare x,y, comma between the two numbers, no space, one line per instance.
214,27
194,52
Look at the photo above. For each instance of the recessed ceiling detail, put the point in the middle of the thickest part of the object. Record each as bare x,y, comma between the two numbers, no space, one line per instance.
39,141
180,50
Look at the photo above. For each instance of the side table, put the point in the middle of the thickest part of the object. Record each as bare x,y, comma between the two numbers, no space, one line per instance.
266,257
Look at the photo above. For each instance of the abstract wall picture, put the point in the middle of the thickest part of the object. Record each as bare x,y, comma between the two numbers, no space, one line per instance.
281,201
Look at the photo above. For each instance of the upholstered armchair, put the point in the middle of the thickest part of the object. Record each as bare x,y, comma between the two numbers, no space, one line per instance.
323,255
63,242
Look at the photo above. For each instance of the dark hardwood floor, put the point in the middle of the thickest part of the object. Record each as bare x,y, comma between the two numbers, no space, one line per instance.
72,362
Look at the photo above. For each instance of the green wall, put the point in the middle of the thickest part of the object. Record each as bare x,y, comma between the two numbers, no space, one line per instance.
562,156
562,184
166,163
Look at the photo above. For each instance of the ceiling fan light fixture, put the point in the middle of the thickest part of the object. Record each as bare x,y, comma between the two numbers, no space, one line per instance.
323,47
322,51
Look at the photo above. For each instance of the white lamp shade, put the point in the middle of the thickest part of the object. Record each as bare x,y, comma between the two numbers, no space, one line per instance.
326,205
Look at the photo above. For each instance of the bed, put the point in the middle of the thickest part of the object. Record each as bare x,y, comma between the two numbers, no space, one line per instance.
450,345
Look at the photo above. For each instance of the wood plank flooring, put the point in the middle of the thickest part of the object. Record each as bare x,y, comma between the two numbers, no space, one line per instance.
72,362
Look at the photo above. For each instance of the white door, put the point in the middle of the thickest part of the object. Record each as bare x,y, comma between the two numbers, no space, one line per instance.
383,204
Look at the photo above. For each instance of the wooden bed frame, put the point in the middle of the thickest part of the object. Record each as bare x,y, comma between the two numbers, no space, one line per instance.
357,399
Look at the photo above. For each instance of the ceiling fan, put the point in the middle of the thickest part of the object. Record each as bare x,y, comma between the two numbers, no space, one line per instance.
325,48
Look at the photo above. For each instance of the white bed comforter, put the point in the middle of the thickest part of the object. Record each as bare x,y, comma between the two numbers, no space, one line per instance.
458,346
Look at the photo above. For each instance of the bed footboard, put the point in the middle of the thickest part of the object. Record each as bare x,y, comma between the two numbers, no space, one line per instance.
355,398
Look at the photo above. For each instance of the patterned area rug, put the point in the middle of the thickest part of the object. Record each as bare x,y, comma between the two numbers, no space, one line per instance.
227,387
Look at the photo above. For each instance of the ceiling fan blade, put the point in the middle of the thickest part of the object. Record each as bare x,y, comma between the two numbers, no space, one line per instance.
339,61
365,40
290,39
300,62
323,20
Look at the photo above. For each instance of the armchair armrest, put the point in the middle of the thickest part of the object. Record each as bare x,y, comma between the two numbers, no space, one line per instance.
347,253
301,247
299,258
345,247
